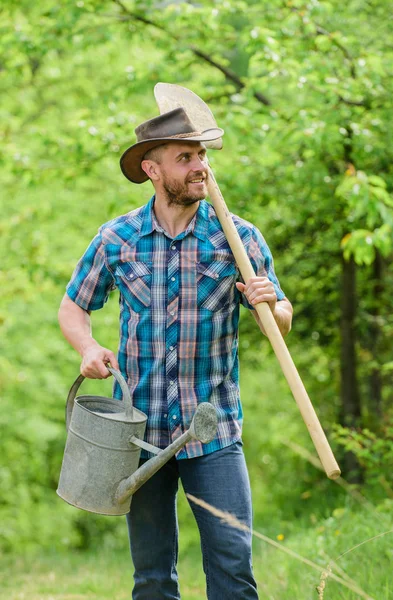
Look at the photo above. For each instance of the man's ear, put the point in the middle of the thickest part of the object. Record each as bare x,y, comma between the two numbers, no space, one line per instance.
150,168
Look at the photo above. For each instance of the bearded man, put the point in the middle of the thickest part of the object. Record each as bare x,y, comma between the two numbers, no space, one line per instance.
179,314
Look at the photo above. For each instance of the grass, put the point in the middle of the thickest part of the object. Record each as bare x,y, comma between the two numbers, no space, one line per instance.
294,505
106,573
102,575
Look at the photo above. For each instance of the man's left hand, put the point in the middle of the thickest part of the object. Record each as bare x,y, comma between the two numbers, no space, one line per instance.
259,289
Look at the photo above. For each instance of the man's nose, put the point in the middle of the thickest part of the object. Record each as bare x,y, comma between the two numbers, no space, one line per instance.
198,164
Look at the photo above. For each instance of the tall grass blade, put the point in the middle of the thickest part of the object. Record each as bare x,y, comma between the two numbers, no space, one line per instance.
234,522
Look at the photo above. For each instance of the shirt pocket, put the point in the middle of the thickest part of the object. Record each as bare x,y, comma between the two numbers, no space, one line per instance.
216,284
134,282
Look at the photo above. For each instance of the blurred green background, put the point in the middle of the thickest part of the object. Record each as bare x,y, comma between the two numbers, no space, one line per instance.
303,90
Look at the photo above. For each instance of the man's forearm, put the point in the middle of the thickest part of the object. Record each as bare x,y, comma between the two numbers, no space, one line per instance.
282,315
76,325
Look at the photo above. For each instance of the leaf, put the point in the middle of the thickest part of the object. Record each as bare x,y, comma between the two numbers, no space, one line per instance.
382,194
377,181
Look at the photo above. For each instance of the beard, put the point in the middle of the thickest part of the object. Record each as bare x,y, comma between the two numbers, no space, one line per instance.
179,194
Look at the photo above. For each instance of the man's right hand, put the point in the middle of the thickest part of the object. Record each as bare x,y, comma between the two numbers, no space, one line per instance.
94,361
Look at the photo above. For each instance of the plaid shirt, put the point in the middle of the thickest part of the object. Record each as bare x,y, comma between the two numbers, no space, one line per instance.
179,314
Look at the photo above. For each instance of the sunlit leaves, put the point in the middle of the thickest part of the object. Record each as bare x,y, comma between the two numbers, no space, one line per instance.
362,244
311,168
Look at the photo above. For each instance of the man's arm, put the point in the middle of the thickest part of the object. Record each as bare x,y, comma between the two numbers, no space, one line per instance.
261,289
76,327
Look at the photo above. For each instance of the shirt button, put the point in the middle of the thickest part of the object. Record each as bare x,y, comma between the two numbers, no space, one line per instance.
216,276
174,417
165,415
172,313
171,348
171,382
173,278
173,247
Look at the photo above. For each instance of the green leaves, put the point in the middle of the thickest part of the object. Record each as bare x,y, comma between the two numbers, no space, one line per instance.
304,92
373,452
369,202
360,245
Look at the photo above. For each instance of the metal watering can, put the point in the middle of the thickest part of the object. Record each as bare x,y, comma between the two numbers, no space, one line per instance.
105,436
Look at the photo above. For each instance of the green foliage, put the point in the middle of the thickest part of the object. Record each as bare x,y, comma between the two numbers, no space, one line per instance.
374,453
304,92
369,200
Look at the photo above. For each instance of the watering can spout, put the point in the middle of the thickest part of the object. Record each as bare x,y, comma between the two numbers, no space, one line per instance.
203,428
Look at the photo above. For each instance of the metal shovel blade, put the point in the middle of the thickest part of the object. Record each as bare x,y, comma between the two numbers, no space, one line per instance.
170,96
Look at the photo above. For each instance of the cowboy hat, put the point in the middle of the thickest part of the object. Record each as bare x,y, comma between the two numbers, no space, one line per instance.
173,126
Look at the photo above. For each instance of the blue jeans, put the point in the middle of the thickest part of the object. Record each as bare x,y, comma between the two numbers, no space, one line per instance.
221,479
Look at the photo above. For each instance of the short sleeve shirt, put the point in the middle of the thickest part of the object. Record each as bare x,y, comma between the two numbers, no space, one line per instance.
179,315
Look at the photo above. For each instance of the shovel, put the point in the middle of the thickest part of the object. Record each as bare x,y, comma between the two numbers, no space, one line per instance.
169,97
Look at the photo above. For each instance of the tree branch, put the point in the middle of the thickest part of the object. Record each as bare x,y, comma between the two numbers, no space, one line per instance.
228,73
352,102
321,31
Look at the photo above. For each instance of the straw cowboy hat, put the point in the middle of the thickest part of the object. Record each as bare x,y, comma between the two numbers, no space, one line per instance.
173,126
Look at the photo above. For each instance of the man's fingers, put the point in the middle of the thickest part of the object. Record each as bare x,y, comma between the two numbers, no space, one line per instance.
271,299
94,364
262,295
103,369
113,361
258,283
259,286
95,370
259,289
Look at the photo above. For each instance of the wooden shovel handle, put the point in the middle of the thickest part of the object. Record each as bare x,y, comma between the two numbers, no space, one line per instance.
273,333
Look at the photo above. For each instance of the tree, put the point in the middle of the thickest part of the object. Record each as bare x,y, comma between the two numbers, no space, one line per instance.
303,91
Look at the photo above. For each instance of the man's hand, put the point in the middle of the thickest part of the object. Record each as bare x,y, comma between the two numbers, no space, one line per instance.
94,361
259,289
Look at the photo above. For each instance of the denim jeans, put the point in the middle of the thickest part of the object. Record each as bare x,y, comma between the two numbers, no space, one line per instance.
221,479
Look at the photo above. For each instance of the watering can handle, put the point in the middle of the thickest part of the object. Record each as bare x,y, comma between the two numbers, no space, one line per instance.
125,391
77,383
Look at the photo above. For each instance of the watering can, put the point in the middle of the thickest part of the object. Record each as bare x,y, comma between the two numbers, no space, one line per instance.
100,465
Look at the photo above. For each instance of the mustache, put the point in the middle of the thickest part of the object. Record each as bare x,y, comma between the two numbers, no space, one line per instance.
199,174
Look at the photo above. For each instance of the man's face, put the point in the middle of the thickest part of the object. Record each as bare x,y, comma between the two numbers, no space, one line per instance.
183,173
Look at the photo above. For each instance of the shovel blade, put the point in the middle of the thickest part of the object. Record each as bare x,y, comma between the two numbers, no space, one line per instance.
170,96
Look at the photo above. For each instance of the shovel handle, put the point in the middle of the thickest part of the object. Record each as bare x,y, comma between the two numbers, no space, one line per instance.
273,333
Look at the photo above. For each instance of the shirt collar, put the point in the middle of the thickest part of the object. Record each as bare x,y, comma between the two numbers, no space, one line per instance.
197,226
146,215
201,220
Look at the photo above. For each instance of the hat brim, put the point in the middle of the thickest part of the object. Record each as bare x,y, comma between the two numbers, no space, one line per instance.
130,162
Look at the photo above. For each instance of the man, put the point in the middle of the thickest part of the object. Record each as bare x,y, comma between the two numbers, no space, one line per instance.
179,312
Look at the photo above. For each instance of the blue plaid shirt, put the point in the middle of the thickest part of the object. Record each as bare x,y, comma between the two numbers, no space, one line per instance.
179,314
